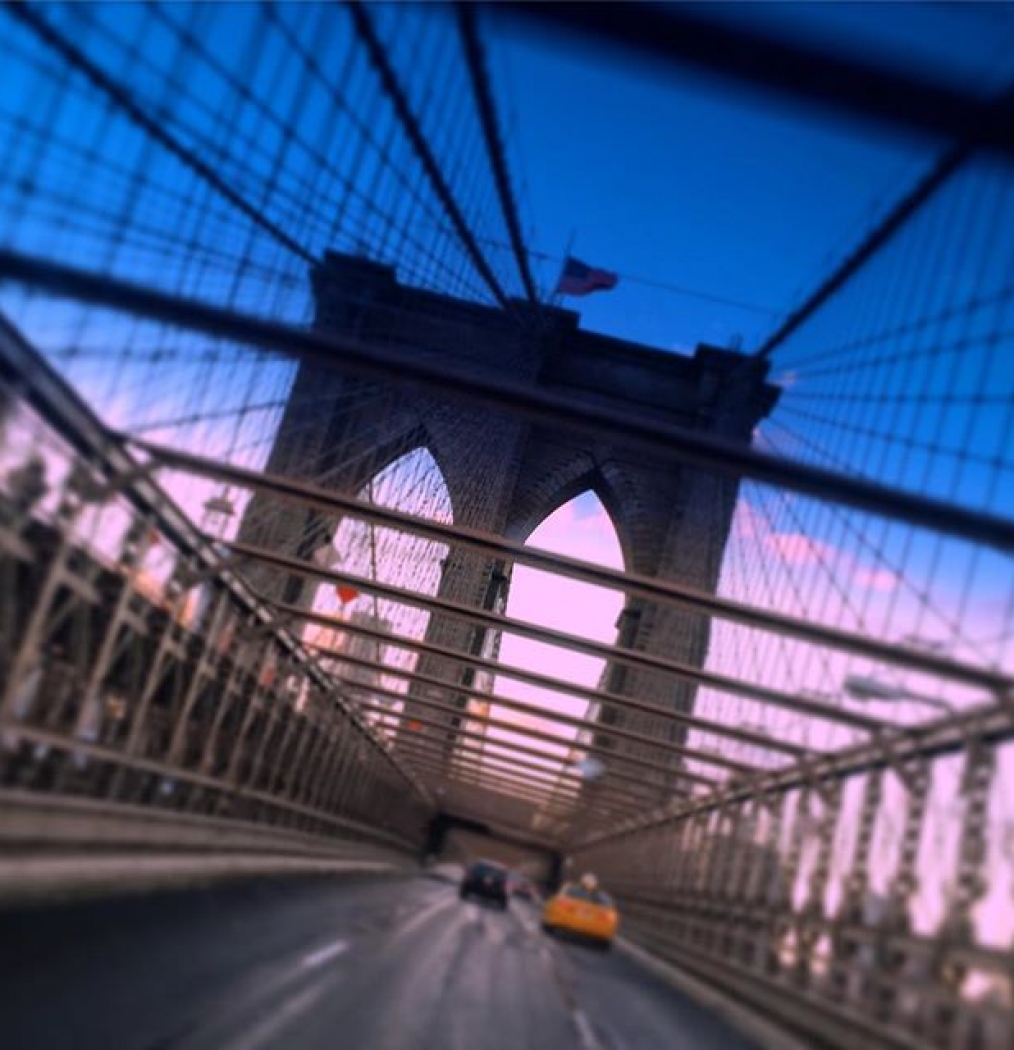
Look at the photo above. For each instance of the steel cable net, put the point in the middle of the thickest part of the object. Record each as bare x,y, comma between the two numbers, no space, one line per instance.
145,144
804,785
902,377
149,151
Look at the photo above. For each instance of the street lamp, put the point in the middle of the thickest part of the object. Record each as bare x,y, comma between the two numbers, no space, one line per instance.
860,687
217,512
590,767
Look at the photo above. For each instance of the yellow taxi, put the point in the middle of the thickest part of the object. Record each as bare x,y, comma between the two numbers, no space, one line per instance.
582,908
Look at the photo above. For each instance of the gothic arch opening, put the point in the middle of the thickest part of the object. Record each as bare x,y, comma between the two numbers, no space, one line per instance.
581,527
559,479
412,483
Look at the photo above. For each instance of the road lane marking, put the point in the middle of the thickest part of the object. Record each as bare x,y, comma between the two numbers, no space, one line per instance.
585,1032
561,975
280,1019
323,955
420,917
294,983
526,921
488,927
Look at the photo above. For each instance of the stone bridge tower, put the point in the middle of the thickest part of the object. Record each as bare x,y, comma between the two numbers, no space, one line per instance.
505,475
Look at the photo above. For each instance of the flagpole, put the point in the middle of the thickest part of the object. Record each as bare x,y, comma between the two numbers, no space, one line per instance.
373,576
373,556
563,266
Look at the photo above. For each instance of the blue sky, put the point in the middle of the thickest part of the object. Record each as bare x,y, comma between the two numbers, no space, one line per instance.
664,176
682,179
674,179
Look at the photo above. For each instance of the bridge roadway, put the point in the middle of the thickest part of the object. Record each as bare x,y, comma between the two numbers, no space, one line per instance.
381,964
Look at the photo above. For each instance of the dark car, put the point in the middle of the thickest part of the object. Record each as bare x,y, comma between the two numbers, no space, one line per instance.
487,880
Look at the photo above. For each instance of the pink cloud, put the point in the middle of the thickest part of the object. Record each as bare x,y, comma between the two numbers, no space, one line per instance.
794,548
876,579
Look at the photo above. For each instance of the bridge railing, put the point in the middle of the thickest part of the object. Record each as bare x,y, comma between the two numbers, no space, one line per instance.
139,675
863,894
779,892
847,872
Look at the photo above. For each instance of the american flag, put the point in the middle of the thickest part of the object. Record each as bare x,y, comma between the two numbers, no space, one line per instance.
580,279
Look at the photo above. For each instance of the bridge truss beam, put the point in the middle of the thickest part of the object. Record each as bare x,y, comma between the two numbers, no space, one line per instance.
649,588
692,448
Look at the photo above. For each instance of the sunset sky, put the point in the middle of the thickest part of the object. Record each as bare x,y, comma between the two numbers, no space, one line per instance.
718,208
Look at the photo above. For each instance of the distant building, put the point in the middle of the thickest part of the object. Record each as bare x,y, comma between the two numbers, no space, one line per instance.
363,647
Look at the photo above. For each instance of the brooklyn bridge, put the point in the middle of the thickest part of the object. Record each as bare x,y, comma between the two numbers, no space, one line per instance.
573,437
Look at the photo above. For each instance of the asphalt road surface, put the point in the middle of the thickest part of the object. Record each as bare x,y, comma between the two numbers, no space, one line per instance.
391,964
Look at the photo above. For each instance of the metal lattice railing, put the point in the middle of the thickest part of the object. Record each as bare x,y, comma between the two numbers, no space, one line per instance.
258,571
171,688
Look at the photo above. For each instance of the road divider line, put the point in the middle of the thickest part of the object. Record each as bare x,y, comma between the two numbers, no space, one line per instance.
578,1018
289,1010
427,913
530,926
325,954
585,1032
290,982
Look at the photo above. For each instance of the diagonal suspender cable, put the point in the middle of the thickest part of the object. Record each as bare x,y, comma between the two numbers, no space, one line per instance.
378,56
121,98
704,451
899,215
476,60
